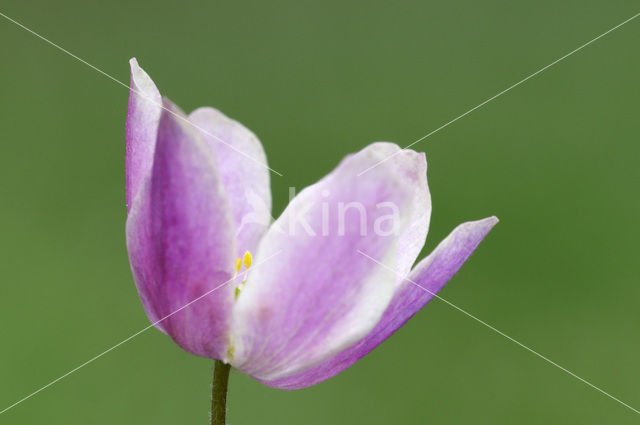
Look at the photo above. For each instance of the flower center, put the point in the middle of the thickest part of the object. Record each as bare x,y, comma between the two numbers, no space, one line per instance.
246,260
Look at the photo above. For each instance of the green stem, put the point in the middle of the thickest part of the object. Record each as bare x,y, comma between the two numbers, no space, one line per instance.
219,393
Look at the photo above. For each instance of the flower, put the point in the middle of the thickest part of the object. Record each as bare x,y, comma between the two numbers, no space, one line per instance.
313,302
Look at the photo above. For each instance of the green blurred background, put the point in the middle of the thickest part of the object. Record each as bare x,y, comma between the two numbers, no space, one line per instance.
556,159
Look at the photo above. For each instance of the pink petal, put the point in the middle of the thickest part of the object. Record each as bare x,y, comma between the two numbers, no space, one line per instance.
181,240
414,235
243,171
141,128
428,278
318,295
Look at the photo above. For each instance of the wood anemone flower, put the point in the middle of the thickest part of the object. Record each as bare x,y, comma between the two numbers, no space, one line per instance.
319,295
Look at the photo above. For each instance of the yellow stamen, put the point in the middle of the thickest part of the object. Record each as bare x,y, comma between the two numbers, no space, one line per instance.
247,259
238,265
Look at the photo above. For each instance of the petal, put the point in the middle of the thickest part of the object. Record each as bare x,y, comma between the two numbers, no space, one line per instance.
432,274
318,295
142,125
181,240
414,236
242,167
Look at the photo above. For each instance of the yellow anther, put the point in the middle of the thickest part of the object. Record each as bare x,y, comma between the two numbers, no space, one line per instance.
247,259
238,264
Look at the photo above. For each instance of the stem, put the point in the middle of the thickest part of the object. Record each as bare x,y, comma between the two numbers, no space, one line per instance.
219,393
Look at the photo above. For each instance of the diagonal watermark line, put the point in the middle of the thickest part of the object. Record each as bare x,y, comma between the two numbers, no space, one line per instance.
503,92
532,351
91,360
114,79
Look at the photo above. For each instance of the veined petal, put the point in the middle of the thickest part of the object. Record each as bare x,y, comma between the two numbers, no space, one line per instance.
181,241
414,235
318,295
432,274
142,125
242,165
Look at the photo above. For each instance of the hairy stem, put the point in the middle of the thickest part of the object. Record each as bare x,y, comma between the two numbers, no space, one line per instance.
219,393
